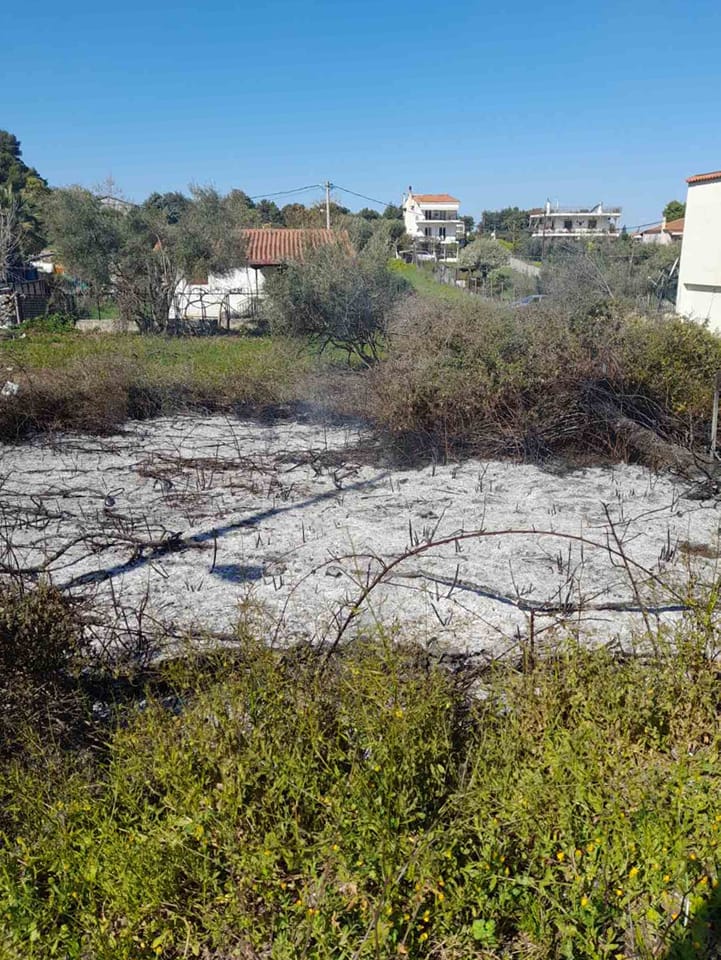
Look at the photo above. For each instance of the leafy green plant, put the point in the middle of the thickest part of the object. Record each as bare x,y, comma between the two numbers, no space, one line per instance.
40,633
49,324
381,806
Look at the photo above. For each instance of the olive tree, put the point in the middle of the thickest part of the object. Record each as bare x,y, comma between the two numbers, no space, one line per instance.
141,254
336,297
483,255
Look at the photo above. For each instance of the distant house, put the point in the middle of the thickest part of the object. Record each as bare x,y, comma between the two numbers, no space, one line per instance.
668,231
117,203
557,221
433,221
699,280
237,293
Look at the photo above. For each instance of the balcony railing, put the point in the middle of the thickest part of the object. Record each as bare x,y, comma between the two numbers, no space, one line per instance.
550,231
570,211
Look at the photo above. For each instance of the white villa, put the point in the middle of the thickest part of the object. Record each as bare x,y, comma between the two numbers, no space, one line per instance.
433,219
554,221
699,279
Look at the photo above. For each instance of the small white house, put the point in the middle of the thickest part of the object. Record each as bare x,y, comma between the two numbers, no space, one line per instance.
557,221
433,218
699,280
236,294
668,231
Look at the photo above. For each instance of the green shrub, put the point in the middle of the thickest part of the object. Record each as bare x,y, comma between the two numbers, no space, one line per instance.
473,376
378,809
40,633
51,323
336,298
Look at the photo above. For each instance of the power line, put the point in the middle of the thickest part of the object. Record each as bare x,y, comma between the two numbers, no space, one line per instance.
382,203
316,186
285,193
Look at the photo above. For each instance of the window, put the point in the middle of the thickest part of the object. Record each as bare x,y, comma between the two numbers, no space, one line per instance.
568,225
442,233
428,231
592,224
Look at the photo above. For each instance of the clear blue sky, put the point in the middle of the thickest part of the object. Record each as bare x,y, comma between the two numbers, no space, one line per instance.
499,104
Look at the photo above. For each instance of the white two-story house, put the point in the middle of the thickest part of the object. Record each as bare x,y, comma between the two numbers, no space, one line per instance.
433,219
699,279
556,221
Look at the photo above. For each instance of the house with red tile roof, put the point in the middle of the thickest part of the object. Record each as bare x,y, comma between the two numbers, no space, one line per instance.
433,221
665,232
699,278
236,294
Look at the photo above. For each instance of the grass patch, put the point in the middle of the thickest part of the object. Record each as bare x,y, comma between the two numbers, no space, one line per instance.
94,382
424,283
378,808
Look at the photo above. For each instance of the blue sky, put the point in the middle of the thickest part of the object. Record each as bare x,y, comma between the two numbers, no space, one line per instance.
499,104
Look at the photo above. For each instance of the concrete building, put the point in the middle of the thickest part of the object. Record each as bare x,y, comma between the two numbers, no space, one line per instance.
699,281
236,294
668,231
433,221
556,221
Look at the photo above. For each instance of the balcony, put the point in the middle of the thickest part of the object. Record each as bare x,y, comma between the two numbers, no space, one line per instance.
609,230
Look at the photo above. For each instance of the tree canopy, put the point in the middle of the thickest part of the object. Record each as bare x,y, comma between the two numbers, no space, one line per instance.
21,193
143,254
510,222
483,255
14,172
674,210
337,297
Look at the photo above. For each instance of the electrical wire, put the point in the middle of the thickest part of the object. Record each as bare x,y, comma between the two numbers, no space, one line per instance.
285,193
382,203
316,186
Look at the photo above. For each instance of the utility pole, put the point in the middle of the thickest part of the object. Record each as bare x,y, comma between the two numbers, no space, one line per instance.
328,185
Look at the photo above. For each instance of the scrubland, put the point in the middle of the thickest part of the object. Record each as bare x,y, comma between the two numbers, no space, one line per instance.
377,797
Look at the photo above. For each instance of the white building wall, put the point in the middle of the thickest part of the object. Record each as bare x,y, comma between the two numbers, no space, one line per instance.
239,289
699,282
416,224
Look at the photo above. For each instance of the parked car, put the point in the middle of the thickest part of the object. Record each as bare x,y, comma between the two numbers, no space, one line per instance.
527,301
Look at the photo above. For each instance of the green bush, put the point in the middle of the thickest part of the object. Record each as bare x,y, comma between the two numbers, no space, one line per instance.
51,323
40,633
383,807
473,376
337,298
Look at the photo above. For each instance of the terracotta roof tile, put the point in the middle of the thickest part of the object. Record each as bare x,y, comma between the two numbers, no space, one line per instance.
434,198
270,247
672,226
705,177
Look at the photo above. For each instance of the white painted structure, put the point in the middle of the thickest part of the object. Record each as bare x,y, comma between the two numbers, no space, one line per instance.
433,217
699,281
556,221
236,294
222,297
668,231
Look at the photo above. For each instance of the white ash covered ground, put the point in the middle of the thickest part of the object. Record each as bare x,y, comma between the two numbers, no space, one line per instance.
178,521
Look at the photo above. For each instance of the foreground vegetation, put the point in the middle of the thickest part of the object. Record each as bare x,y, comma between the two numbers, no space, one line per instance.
95,382
379,803
451,377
